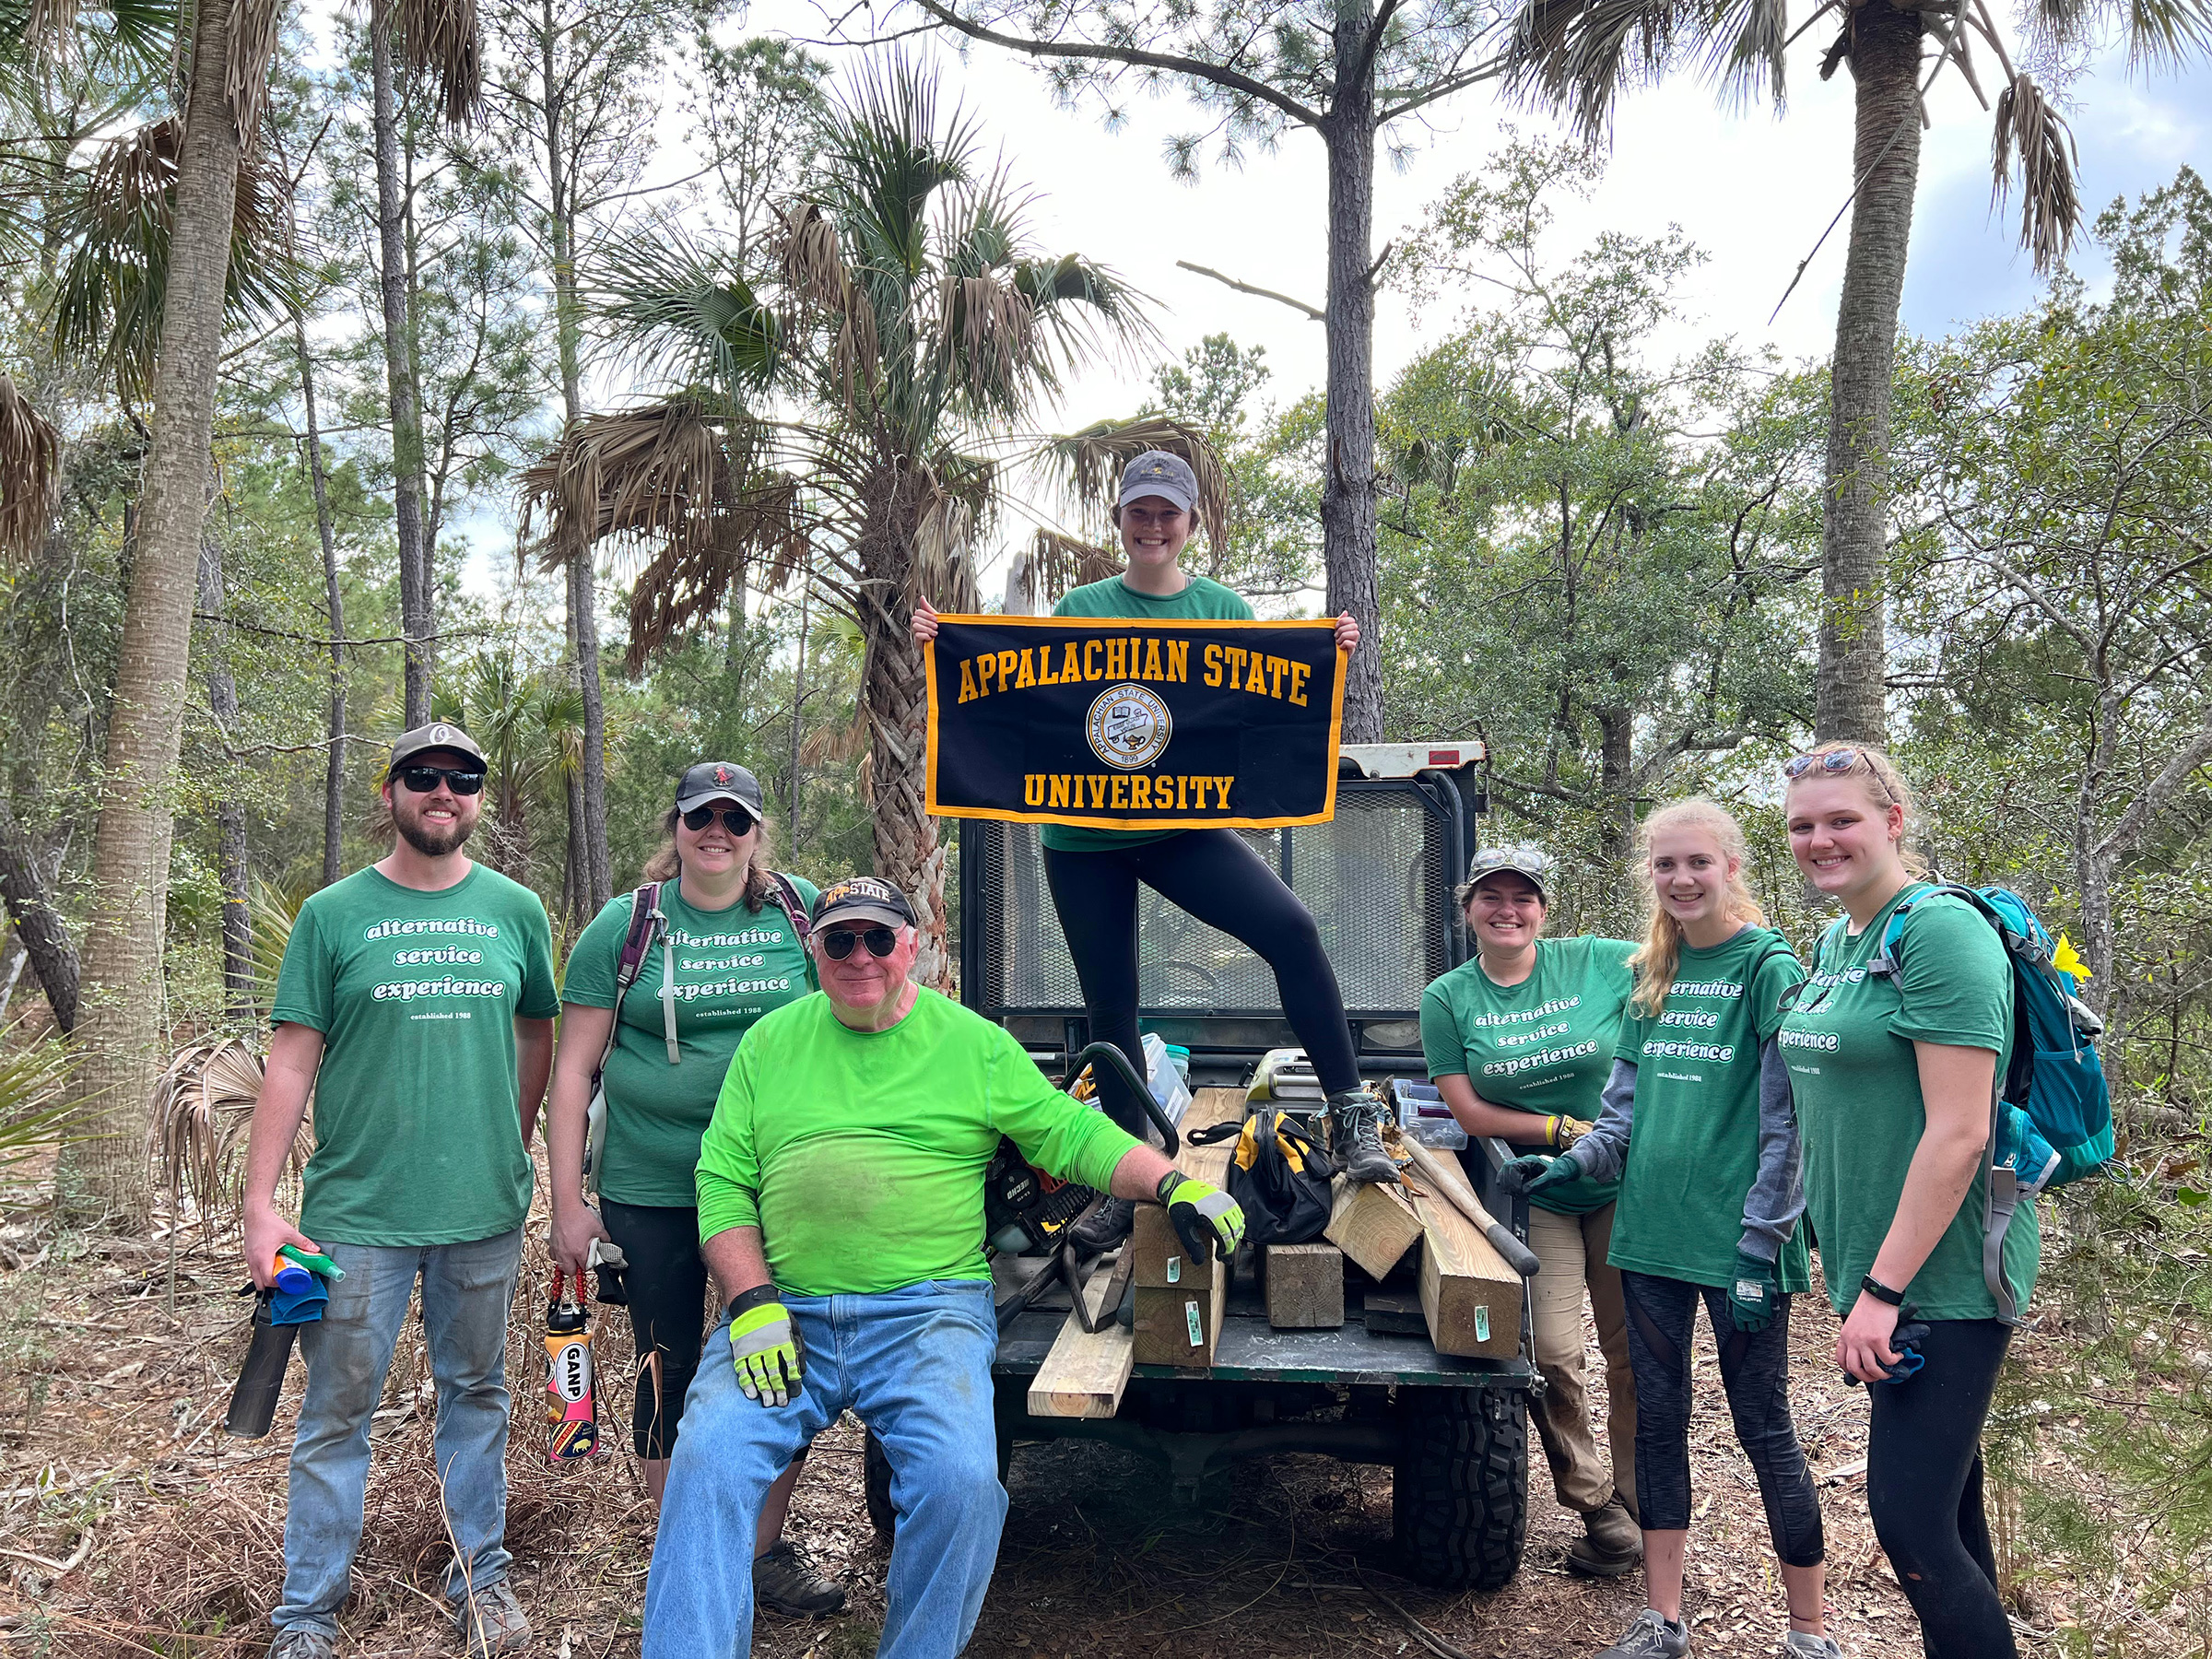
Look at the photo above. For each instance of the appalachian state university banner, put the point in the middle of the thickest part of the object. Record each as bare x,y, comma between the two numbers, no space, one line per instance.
1116,723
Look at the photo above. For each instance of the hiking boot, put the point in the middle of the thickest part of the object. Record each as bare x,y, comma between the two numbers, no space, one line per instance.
1356,1136
784,1583
1109,1225
1651,1637
1611,1544
491,1621
303,1642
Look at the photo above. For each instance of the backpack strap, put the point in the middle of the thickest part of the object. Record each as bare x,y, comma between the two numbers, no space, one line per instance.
783,893
647,925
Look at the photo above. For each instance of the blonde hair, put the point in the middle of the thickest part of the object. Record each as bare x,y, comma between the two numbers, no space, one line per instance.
1885,787
1661,953
667,865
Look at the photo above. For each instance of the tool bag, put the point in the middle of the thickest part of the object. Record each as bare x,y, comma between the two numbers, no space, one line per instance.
1279,1177
649,926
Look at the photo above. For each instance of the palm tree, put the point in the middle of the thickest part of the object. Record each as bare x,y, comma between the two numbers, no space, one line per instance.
918,334
1579,55
529,722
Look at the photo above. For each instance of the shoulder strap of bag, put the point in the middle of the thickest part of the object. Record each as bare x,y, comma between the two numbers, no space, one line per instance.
647,925
785,894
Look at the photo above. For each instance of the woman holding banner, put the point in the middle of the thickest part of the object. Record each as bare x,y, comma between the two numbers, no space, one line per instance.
1211,873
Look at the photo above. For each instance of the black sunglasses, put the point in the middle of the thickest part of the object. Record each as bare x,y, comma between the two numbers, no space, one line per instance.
838,942
423,780
735,819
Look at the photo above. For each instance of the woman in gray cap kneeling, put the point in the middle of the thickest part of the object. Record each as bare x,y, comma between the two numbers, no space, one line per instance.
1209,873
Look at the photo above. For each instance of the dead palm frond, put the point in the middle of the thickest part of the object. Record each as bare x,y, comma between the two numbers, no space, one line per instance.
29,472
2050,197
1060,563
203,1113
442,39
1090,462
108,299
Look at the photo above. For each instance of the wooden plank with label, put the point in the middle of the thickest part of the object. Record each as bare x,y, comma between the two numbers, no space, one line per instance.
1179,1326
1373,1224
1305,1287
1472,1300
1163,1262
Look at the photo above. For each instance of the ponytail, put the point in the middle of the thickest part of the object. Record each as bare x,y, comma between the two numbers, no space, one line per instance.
1657,959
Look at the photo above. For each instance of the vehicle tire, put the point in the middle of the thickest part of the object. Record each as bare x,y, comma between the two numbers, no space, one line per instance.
875,1481
1460,1504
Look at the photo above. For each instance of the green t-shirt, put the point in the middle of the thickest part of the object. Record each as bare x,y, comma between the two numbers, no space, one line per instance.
860,1155
1545,1045
732,966
1856,1079
1693,1150
1201,600
419,1134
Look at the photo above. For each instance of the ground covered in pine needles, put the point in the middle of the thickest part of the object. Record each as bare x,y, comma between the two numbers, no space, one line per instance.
133,1525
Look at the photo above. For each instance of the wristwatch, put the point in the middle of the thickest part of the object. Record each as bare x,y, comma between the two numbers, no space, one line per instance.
1881,1292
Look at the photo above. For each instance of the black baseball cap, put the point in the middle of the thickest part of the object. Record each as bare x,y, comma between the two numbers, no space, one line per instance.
863,899
438,734
719,780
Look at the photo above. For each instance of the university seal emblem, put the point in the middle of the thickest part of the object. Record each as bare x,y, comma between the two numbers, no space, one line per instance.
1128,726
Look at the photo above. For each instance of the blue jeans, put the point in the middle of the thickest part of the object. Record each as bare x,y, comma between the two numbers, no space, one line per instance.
915,1366
466,1290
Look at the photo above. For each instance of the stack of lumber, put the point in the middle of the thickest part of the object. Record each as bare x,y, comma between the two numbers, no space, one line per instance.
1470,1296
1178,1295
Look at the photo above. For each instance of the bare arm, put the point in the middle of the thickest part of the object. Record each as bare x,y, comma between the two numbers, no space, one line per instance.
534,1060
1479,1117
575,1222
1138,1175
1955,1086
295,1053
735,1258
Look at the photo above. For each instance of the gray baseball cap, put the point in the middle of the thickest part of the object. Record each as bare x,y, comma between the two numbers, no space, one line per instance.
1157,473
438,734
718,780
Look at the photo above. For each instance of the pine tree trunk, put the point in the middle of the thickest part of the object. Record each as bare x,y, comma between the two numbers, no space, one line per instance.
1347,491
1885,61
417,619
30,898
119,1033
233,867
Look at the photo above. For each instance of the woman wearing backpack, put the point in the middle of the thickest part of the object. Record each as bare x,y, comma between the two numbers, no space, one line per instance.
728,953
1520,1043
1893,1074
1698,1129
1212,873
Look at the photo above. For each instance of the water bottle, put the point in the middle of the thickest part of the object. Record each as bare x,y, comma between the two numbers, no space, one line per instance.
571,1402
253,1399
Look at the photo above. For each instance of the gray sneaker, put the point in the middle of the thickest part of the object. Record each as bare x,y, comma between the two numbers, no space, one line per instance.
783,1582
1802,1644
1651,1637
303,1642
491,1621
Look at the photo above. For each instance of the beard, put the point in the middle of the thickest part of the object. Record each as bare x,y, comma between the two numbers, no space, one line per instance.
430,843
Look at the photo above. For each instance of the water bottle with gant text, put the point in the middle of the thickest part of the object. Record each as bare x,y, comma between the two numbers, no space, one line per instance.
571,1400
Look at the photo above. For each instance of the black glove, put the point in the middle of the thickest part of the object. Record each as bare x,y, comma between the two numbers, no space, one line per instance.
1532,1172
1751,1294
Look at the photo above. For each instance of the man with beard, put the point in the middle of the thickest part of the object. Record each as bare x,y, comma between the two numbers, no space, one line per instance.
417,1002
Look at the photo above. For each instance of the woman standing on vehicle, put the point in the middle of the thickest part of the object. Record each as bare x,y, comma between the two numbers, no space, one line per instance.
1212,873
1892,1063
1520,1043
728,952
1697,1127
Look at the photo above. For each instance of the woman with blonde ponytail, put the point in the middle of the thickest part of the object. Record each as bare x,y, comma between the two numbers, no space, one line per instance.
1698,1128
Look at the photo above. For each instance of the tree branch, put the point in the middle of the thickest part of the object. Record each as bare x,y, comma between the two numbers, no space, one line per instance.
1246,288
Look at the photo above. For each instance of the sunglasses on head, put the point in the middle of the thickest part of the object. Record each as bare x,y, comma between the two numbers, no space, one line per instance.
735,819
838,942
423,780
1834,760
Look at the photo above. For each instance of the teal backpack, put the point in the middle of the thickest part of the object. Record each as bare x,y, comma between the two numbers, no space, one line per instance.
2051,1114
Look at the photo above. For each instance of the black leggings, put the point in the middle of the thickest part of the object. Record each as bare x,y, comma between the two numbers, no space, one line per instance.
1923,1489
668,1286
1755,1370
1222,882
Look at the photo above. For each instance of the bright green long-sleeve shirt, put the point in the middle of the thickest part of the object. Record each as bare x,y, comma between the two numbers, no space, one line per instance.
860,1155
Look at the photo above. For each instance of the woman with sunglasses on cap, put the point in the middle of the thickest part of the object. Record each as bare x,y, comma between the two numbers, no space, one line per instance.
1894,1049
1519,1040
1212,873
1698,1126
727,953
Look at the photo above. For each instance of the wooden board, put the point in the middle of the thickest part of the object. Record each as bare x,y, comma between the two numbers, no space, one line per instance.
1305,1287
1084,1374
1373,1225
1162,1260
1165,1319
1442,1172
1472,1300
1392,1314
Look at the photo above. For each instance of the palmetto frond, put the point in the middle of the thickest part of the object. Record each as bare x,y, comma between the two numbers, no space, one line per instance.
2050,201
36,1114
442,39
202,1110
664,300
1090,462
1060,563
1581,55
29,472
108,299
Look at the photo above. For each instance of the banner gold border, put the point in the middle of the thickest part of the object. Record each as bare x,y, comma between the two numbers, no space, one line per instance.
1135,826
